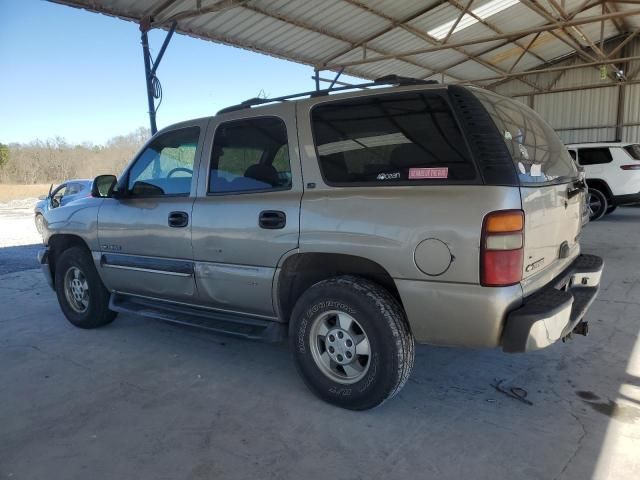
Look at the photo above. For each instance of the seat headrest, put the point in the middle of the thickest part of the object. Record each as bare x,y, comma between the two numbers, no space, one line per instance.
263,173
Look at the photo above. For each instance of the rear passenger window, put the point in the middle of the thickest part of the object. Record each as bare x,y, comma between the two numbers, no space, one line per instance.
250,155
401,138
634,151
594,156
537,152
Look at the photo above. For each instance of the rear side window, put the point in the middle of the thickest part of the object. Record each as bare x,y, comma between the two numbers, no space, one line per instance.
250,155
594,156
634,151
403,138
537,152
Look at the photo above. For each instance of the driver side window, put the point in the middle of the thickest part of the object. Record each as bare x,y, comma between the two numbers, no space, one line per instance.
165,167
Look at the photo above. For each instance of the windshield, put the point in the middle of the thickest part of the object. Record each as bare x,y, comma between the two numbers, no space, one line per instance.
537,151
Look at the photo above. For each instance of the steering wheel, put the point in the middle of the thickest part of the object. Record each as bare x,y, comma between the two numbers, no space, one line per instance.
179,169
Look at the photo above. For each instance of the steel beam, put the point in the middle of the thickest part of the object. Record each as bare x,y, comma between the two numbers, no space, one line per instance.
491,38
147,73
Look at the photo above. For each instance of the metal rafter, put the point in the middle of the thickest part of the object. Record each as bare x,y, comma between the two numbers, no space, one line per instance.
620,23
380,33
306,26
433,41
576,45
217,7
491,38
622,44
492,27
554,69
524,51
455,24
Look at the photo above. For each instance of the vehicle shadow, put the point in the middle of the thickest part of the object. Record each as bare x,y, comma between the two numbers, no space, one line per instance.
18,258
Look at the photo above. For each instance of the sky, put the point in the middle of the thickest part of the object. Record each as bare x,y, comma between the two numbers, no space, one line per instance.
78,75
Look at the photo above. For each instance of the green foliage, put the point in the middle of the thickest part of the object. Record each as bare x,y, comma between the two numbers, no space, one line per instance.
4,155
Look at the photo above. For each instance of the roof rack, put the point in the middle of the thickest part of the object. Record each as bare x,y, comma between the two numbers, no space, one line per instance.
386,80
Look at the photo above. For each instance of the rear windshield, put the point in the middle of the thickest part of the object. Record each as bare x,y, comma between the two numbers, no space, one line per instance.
537,151
634,151
405,138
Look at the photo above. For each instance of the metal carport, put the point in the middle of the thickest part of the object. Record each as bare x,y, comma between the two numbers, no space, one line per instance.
521,48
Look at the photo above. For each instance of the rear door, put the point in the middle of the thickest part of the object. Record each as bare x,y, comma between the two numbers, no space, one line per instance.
246,215
552,196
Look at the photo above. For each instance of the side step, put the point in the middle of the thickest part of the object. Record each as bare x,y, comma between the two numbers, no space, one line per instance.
221,322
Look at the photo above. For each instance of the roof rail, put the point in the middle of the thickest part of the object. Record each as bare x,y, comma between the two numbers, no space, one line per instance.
386,80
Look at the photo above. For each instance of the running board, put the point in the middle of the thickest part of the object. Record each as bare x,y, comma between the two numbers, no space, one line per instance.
220,322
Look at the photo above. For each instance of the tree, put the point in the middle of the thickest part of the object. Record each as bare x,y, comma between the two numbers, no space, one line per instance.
4,154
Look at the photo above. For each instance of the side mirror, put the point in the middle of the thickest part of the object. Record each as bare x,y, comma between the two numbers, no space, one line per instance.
103,186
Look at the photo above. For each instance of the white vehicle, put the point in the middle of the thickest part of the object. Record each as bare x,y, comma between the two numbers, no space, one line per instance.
612,171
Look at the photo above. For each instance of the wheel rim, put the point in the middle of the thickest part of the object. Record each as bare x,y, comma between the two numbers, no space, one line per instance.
340,347
595,204
76,290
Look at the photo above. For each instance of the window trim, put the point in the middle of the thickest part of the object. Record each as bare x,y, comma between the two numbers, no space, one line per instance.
123,183
404,183
246,192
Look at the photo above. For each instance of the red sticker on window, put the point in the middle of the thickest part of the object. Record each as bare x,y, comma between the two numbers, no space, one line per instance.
422,173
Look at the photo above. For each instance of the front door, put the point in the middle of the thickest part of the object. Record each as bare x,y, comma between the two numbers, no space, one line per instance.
145,233
246,215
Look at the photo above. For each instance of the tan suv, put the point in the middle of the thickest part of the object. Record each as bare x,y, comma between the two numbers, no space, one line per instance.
354,223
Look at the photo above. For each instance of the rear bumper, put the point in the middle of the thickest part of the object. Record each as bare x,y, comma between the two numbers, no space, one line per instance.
43,260
553,312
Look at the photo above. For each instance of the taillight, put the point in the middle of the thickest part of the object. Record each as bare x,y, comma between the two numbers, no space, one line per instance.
630,167
502,248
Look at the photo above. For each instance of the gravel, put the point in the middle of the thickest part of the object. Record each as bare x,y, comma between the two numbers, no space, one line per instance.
19,239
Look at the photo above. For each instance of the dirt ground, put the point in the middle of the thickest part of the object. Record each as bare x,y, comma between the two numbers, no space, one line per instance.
11,191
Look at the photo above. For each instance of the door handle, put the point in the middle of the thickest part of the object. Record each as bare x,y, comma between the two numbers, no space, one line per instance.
178,219
272,219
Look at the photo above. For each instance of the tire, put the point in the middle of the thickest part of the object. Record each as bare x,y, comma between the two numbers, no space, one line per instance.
77,282
39,223
611,209
598,204
374,374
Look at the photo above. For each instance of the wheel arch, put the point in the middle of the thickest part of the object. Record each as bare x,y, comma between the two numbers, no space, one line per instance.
300,271
601,185
60,242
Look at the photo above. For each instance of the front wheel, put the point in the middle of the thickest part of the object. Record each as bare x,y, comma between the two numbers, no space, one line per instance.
598,204
39,223
351,342
82,297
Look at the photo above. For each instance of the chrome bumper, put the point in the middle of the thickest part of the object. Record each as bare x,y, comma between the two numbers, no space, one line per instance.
43,260
553,312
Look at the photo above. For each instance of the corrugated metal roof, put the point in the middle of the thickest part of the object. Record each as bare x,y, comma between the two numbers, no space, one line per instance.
352,33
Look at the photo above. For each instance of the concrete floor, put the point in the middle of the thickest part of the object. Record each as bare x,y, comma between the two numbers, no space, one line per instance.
143,399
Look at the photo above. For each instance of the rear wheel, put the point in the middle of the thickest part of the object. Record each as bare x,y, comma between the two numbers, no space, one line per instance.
351,342
82,297
598,204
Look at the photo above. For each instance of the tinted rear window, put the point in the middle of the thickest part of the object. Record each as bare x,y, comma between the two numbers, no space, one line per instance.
403,138
537,152
594,156
634,151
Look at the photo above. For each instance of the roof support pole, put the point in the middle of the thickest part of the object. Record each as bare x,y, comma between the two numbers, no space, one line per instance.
336,79
316,75
147,74
150,68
